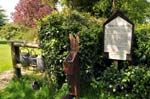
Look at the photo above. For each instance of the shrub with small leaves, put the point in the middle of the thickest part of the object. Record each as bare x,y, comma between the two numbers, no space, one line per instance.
54,41
141,49
133,81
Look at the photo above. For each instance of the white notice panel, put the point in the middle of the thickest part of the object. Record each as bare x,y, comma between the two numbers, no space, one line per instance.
117,38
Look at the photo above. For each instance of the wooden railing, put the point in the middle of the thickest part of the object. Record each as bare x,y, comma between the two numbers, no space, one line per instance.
15,53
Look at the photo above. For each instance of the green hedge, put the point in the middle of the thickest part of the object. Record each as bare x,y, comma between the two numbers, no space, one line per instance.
3,41
54,41
130,83
12,31
141,50
54,37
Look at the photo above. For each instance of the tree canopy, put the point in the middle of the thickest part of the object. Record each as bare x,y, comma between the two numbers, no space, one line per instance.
138,10
2,17
27,12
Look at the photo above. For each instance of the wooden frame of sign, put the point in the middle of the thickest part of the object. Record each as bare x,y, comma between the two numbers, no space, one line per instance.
118,37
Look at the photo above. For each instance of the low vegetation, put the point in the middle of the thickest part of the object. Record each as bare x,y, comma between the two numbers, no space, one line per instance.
5,57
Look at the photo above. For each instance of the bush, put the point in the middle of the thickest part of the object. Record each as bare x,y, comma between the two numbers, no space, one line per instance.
18,32
54,41
22,89
3,41
131,83
141,50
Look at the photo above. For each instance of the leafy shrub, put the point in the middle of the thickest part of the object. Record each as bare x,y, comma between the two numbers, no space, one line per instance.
54,41
62,91
18,32
56,27
141,51
131,83
3,41
22,89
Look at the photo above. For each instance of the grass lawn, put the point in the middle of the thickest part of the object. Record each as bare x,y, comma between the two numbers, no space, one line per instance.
5,57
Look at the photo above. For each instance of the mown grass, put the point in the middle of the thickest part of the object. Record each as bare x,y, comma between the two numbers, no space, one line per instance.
5,58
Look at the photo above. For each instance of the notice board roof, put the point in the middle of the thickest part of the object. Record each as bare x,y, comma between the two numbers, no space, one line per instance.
120,14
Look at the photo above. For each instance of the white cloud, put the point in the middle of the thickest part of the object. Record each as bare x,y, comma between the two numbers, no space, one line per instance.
8,6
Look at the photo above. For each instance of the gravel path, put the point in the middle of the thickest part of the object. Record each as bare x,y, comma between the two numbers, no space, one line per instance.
5,77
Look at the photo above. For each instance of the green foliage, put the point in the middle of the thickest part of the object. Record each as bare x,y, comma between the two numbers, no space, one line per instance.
18,32
3,41
54,37
105,82
62,91
51,2
2,17
137,10
102,8
131,83
141,50
22,89
55,44
81,5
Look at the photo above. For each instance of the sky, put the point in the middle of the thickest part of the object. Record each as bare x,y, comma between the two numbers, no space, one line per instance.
9,7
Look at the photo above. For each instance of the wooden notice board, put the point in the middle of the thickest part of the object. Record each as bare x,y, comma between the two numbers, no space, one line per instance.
118,34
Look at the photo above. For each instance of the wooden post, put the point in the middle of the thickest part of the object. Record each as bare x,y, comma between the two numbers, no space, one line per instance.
115,62
72,68
15,59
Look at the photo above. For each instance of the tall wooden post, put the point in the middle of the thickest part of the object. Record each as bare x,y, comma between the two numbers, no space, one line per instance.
15,59
72,68
115,62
